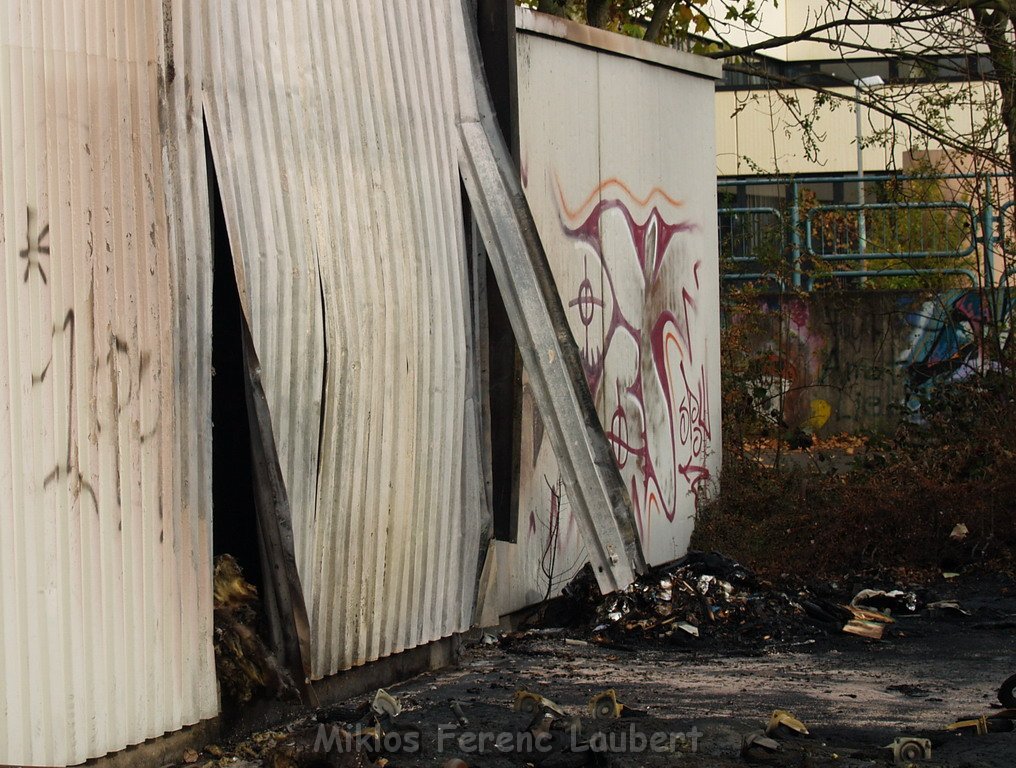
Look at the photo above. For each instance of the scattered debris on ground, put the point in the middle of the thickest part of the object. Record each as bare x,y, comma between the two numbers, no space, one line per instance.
553,697
709,600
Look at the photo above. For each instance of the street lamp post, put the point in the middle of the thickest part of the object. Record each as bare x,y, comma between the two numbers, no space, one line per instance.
862,235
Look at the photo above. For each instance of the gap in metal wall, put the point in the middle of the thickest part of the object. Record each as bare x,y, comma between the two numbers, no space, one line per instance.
496,33
234,519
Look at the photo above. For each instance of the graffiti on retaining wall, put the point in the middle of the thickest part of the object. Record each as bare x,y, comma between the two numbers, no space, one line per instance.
792,363
845,363
949,337
642,356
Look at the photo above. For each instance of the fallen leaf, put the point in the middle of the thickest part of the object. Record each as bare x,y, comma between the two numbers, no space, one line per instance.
959,533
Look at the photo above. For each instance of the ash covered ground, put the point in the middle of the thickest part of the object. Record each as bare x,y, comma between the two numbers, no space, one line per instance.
758,649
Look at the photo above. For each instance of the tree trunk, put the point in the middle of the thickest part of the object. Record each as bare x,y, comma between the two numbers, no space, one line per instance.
994,27
661,11
553,7
598,13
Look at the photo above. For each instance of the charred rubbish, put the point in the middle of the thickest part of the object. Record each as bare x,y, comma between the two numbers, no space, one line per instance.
708,600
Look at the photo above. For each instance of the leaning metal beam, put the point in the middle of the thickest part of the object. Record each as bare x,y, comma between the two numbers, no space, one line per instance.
551,357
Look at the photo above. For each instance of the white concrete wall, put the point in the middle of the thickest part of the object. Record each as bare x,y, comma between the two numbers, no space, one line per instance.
618,167
759,131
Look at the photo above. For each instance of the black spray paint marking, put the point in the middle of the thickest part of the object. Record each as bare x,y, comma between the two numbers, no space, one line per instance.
34,250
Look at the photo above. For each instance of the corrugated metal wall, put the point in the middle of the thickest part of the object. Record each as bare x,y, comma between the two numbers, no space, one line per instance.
105,575
335,133
333,130
625,203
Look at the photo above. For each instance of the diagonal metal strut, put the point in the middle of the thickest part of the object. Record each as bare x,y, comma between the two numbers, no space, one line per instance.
538,319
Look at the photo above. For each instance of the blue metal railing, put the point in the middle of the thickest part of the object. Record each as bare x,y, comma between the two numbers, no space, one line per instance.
877,247
805,243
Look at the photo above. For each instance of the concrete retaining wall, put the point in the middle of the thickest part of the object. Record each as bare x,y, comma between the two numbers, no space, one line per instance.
856,361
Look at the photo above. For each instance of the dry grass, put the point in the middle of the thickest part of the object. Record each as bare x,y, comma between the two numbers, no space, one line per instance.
895,509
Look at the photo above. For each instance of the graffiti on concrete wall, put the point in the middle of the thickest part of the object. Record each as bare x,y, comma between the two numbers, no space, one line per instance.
843,363
792,362
948,339
632,245
644,362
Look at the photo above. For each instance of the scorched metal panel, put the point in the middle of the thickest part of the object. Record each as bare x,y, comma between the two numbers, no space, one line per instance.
105,573
333,129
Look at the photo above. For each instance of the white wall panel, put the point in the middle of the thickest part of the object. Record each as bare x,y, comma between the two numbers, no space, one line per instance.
618,166
105,573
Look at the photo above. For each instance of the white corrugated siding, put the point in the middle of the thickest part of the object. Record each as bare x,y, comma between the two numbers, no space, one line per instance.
333,129
105,576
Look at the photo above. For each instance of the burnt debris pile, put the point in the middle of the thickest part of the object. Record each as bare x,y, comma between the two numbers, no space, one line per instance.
244,664
709,600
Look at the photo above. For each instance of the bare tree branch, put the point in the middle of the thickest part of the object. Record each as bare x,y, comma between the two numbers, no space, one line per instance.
812,34
883,107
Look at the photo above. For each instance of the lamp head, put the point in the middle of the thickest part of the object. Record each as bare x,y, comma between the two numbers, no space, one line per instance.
872,81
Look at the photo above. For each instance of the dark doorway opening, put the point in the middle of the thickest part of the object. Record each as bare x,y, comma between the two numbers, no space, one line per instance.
234,522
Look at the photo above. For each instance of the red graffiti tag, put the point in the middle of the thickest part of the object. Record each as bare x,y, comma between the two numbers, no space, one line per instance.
680,378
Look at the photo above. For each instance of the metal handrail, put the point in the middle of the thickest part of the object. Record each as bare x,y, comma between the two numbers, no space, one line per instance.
752,181
978,240
848,273
762,210
881,255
